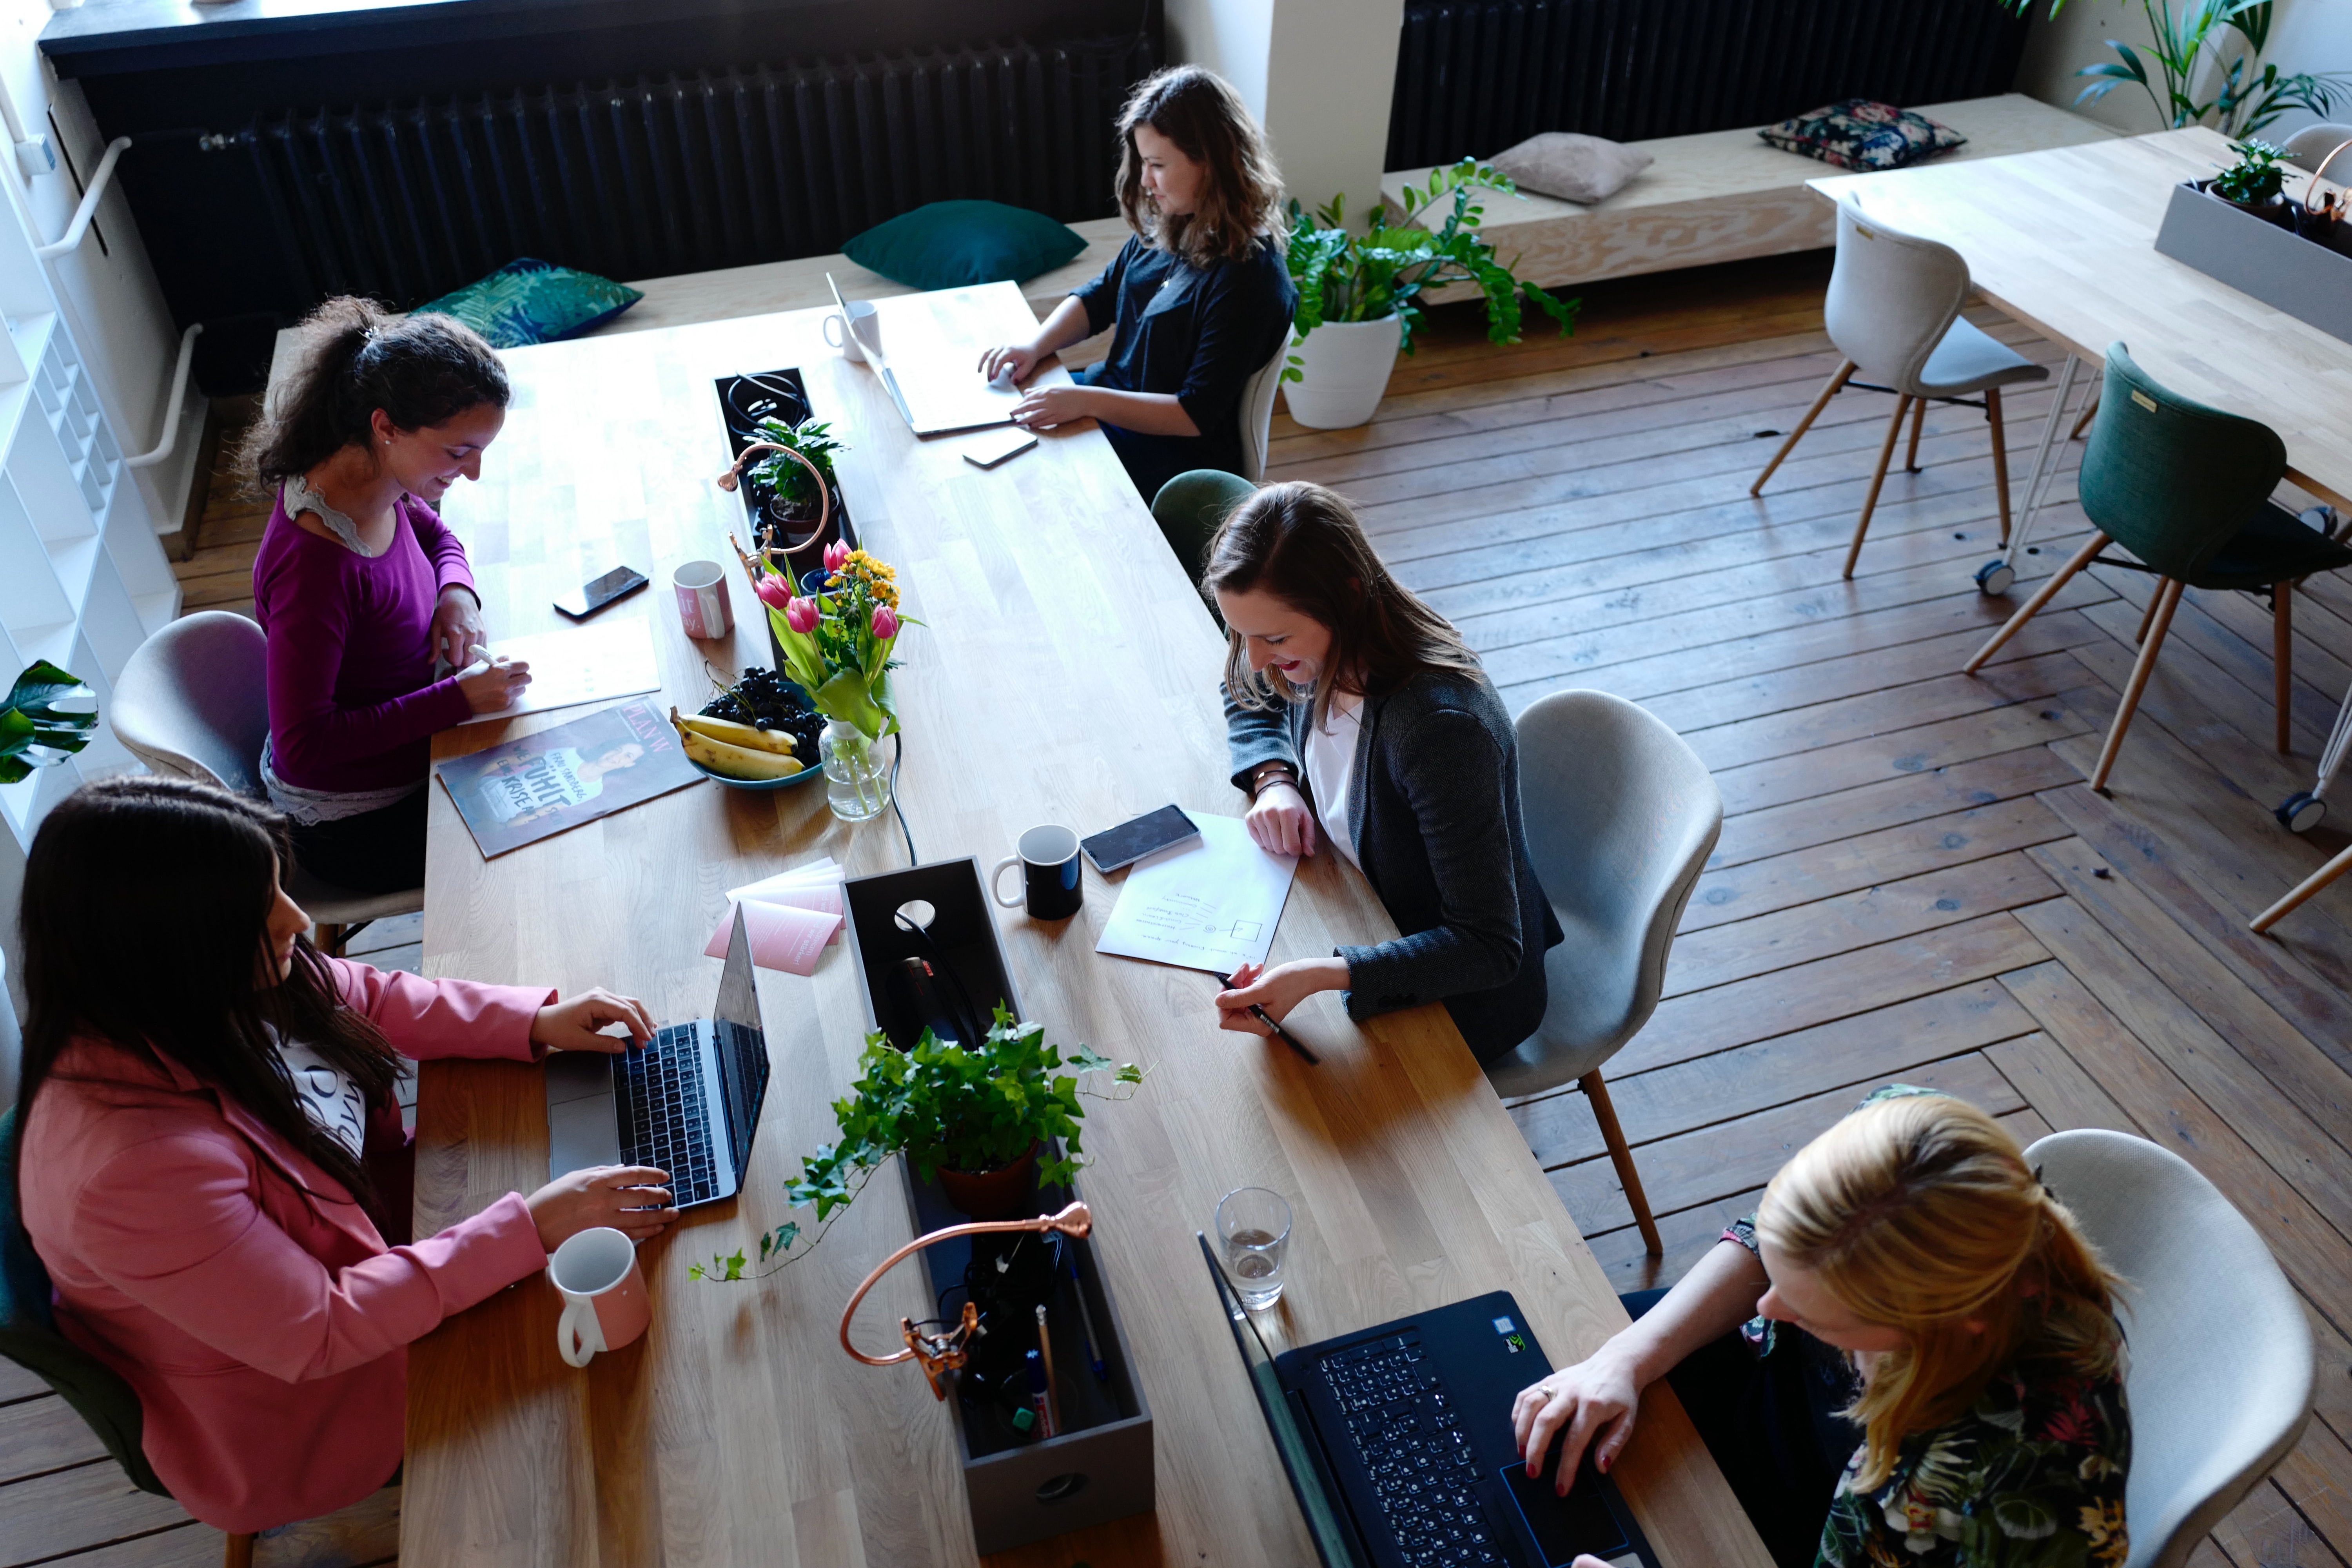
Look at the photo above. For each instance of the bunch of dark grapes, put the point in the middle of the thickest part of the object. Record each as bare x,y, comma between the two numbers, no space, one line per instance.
762,700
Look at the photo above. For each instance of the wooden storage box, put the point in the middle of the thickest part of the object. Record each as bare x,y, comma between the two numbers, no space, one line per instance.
1100,1465
2309,281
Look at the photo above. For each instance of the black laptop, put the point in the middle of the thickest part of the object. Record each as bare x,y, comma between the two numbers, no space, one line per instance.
688,1102
1398,1441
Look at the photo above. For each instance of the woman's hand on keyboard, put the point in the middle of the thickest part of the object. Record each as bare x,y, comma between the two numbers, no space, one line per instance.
1595,1402
631,1199
576,1022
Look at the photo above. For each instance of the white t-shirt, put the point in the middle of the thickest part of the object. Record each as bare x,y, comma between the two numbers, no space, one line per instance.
1331,767
329,1096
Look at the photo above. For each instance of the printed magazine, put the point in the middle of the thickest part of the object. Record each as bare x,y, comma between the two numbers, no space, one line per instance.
520,792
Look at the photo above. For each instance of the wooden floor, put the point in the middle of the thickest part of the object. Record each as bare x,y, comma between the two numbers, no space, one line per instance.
1914,882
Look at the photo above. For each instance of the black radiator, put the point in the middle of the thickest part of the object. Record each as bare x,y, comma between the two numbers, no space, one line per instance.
685,173
1474,77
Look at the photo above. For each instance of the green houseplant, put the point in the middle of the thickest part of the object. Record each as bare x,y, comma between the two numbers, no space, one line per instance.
992,1111
48,716
786,489
1356,293
2191,36
2253,181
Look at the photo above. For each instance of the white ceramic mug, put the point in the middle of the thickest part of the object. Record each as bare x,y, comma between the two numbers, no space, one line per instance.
604,1304
702,602
859,335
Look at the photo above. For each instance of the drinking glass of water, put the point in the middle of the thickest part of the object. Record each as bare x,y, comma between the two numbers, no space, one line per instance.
1253,1234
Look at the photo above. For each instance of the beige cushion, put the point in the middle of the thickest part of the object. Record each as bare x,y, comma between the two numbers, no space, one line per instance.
1573,167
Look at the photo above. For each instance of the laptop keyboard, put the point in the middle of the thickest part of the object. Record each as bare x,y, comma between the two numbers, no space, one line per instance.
1414,1451
664,1120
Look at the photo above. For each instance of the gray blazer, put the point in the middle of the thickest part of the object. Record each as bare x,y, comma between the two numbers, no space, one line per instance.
1435,800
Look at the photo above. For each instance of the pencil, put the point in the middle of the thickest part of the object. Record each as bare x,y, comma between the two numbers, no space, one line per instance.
1285,1036
1045,1354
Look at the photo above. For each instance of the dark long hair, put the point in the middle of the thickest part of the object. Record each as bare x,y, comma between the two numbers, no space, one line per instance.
192,865
1206,118
1302,543
355,359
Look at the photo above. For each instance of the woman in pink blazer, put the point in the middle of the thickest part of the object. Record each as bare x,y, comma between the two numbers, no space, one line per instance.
211,1164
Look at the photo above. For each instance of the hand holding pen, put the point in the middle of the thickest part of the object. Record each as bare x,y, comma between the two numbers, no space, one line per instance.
1240,1009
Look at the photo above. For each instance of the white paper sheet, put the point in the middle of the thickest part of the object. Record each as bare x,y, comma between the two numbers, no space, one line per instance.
1210,904
585,663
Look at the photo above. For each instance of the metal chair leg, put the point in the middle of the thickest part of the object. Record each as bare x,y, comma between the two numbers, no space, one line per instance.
1877,479
2282,659
1919,418
1999,458
2041,596
1622,1158
1845,368
2169,600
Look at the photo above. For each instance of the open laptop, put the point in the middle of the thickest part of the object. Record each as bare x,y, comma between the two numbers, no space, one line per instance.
933,379
688,1102
1399,1444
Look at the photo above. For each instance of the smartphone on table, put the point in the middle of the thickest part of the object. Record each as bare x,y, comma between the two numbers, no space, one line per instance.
1131,841
598,592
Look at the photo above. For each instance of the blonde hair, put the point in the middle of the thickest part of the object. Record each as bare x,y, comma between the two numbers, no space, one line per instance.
1918,1212
1206,118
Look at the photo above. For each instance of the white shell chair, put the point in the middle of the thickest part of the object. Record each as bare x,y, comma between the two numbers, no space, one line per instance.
2222,1370
192,703
1894,311
1621,817
2308,146
1257,411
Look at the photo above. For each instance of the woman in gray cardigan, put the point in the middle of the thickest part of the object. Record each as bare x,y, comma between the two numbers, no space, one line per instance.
1357,716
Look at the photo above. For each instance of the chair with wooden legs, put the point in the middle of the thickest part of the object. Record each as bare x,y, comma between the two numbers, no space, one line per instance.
1894,311
1621,817
2187,490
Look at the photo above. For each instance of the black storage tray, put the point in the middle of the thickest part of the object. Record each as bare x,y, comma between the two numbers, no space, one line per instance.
961,937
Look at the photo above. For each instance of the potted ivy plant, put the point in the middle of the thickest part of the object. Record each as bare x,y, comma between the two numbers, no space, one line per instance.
1355,311
784,492
990,1124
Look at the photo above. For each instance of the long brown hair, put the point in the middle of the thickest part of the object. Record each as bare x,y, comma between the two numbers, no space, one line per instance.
1198,111
1302,543
356,358
1918,1212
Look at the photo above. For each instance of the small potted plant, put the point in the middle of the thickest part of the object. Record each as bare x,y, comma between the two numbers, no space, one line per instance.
1356,310
2252,184
990,1124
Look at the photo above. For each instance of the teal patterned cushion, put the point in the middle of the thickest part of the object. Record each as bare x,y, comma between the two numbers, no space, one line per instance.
953,245
528,301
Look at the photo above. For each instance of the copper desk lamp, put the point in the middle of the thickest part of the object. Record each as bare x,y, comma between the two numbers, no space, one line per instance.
942,1348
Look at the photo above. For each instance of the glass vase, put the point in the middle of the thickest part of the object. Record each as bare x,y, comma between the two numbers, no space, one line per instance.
857,777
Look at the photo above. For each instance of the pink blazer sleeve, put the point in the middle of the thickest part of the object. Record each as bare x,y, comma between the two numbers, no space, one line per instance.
216,1264
427,1018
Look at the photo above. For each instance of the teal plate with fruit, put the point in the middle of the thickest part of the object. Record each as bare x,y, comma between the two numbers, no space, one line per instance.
784,704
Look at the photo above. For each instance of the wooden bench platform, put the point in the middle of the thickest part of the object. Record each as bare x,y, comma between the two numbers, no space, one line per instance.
1725,196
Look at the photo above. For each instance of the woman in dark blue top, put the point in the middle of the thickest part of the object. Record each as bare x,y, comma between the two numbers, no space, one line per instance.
1201,298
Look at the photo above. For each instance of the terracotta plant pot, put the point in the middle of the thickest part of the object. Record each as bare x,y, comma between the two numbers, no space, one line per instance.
1005,1193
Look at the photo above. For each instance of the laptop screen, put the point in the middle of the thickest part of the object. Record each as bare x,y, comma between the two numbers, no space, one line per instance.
743,1044
1291,1441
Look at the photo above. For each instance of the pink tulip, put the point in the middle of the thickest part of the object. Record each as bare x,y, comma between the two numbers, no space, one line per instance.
801,616
773,590
885,622
835,555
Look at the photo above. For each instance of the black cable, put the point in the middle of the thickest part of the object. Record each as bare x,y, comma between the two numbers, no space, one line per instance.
898,755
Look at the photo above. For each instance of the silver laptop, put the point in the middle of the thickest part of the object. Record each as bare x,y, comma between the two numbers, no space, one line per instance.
688,1102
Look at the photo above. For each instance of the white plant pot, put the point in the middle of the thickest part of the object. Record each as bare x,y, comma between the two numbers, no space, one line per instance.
1346,365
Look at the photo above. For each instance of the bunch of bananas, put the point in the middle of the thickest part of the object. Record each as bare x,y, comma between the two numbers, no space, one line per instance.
736,751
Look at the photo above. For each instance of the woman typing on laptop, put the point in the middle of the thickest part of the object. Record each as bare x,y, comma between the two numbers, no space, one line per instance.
211,1165
1932,1376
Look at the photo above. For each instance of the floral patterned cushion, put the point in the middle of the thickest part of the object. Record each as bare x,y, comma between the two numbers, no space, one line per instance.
1861,134
529,301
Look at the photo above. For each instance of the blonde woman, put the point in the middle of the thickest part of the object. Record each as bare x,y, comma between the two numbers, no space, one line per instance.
1934,1373
1200,298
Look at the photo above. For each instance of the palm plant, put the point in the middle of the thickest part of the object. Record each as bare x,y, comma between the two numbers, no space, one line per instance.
2193,39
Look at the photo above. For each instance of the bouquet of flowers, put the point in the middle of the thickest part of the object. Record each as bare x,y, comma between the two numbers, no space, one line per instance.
837,644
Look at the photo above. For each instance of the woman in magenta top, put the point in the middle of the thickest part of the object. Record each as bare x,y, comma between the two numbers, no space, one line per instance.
210,1161
372,622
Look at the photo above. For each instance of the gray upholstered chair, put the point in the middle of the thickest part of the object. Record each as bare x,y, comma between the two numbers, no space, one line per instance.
1257,411
1621,817
1894,311
2223,1370
1192,507
2309,145
192,703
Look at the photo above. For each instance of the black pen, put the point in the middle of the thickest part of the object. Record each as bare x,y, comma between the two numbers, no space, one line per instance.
1260,1014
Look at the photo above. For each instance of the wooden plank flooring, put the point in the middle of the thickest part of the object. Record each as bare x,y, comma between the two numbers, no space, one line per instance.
1913,880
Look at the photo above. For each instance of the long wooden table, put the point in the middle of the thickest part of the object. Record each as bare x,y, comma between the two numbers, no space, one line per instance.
1063,672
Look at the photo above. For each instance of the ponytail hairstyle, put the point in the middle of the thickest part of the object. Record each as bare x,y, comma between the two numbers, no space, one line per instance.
140,853
1918,1212
1302,543
1242,195
356,357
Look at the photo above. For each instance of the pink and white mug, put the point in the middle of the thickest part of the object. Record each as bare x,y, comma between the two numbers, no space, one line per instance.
702,602
604,1304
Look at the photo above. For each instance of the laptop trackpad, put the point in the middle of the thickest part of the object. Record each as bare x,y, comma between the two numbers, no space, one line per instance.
581,1132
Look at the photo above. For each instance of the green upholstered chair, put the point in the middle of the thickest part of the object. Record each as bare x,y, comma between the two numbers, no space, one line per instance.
1190,508
29,1337
2187,490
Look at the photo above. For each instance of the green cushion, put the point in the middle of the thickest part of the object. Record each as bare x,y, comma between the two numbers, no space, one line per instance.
528,301
953,245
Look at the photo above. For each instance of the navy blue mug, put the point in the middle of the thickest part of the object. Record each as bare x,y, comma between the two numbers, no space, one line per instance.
1051,888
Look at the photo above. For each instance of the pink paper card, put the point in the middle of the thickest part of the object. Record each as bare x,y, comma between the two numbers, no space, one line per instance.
783,937
823,899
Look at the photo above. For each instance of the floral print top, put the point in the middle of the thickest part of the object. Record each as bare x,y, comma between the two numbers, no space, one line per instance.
2030,1476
